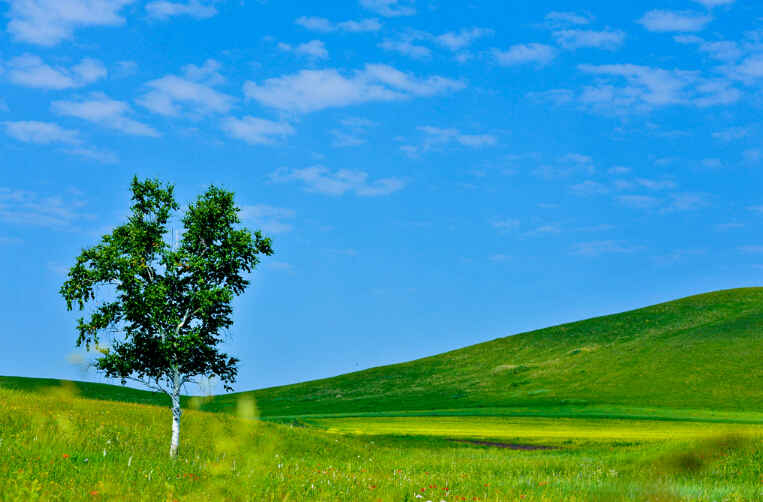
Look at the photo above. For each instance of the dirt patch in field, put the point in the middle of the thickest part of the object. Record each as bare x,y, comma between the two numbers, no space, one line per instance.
510,446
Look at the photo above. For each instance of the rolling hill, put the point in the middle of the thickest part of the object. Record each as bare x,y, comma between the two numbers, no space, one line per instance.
704,352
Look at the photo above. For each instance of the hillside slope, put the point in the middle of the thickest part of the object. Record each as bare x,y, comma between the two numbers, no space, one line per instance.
701,352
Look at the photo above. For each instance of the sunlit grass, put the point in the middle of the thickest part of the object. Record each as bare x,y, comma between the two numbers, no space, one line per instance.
59,447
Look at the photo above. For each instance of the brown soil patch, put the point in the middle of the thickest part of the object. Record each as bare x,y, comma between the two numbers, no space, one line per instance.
510,446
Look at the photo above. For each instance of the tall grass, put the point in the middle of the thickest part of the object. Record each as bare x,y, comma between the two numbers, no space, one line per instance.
64,448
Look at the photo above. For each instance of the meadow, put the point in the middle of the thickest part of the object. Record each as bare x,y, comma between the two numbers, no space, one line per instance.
57,446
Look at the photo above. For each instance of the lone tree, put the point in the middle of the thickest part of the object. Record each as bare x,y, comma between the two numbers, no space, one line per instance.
170,299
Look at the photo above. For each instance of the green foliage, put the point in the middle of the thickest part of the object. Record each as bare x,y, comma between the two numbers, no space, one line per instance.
172,298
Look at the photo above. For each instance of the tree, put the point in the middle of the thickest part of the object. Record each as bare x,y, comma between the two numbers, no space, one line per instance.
169,296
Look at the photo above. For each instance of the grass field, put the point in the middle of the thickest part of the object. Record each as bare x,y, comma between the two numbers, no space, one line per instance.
58,447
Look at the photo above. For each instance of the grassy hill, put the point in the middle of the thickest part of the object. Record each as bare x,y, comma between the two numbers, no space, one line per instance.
700,352
703,352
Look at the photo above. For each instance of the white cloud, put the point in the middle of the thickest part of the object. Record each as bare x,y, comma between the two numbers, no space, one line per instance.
319,179
406,48
390,8
750,249
323,25
714,3
674,21
102,156
661,184
610,40
312,90
162,9
194,90
313,48
344,139
456,42
25,208
30,71
756,208
507,225
477,140
588,188
619,170
687,202
268,218
647,87
48,22
41,133
721,50
438,136
597,248
101,109
563,19
730,134
255,130
525,53
639,201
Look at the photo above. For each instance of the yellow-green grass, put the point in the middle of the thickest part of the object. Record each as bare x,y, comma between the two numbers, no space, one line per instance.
538,431
57,447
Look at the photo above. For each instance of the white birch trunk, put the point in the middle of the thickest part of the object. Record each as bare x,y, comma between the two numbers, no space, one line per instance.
175,414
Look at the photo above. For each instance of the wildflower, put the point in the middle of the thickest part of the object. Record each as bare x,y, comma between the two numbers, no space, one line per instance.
66,455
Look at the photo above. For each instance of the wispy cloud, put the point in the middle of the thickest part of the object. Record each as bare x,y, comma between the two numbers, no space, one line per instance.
41,133
323,25
30,71
319,179
588,188
25,208
163,9
256,131
433,137
598,248
268,218
556,19
96,154
48,22
462,40
192,93
675,21
313,48
101,109
607,39
406,48
312,90
390,8
750,249
647,87
521,54
507,225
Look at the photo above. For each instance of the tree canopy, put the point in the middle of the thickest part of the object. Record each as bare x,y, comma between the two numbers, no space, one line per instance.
169,293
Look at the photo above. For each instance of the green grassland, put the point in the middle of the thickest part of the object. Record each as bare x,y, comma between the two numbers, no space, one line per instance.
702,352
55,447
663,403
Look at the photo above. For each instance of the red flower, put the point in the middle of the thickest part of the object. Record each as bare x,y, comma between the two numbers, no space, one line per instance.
66,455
94,494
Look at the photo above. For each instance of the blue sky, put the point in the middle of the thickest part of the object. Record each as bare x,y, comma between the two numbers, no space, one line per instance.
434,174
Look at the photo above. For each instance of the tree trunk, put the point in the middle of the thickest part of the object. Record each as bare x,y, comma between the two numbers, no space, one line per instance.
175,415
